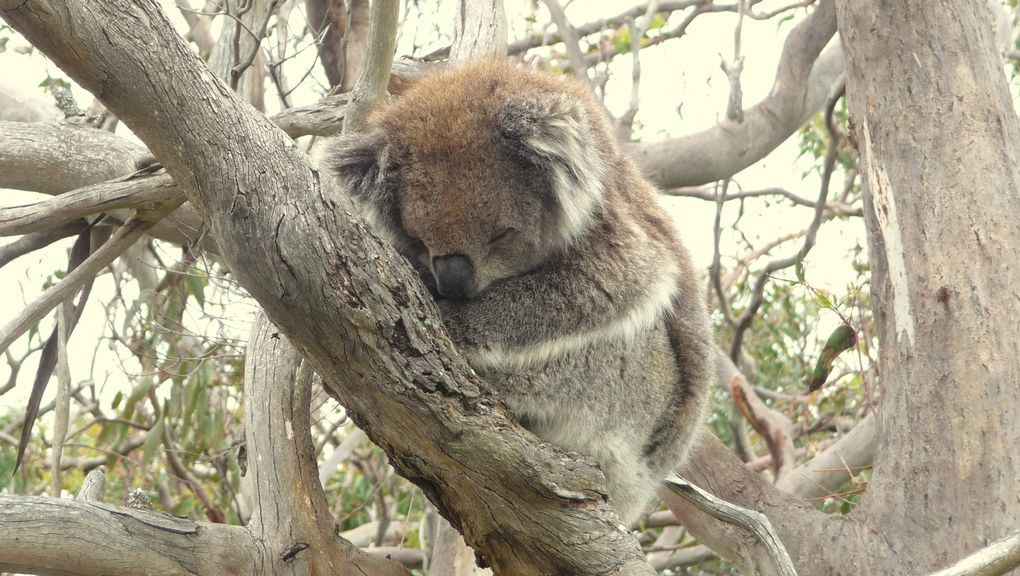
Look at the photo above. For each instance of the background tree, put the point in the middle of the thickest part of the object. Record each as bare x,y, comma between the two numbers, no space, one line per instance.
931,131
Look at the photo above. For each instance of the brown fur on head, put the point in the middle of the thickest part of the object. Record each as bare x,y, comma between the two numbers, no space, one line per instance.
481,172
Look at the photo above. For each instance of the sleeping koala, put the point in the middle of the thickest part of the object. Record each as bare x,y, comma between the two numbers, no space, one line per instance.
559,277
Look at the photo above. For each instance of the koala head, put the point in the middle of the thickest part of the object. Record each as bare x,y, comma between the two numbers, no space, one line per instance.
480,173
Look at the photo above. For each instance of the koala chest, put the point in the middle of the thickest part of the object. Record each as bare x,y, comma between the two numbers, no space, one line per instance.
609,386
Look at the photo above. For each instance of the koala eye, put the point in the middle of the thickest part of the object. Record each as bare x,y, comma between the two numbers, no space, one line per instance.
503,234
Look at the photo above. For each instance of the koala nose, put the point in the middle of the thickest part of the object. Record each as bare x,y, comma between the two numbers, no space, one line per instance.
455,275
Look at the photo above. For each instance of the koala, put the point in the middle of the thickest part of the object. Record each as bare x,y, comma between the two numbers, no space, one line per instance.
558,276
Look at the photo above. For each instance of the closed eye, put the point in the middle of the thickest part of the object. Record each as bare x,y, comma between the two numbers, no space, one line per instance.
505,233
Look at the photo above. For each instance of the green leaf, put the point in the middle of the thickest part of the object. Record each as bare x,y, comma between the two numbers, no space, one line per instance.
152,441
823,298
195,285
842,338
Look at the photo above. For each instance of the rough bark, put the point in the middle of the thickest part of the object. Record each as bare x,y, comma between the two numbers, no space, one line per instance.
938,138
53,536
350,305
813,539
54,157
288,519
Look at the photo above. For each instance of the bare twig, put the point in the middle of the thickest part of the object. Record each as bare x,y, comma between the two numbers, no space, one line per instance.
238,70
62,410
770,13
715,271
638,31
754,522
735,103
36,240
758,291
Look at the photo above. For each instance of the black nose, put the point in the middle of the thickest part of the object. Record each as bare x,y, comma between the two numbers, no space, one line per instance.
455,275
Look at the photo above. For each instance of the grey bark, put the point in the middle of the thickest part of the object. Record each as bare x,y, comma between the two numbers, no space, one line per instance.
288,518
54,157
831,468
113,540
351,306
939,139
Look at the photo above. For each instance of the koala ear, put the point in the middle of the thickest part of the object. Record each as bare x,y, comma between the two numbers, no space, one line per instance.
555,131
362,164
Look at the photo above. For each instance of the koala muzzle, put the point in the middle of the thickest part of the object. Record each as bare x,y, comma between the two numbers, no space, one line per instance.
455,276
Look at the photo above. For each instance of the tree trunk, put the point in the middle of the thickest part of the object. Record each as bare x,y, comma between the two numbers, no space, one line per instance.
938,138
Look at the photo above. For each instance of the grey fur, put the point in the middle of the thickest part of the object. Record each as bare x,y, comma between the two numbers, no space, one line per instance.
587,316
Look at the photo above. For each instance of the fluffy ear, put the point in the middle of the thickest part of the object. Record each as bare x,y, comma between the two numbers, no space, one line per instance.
556,132
361,162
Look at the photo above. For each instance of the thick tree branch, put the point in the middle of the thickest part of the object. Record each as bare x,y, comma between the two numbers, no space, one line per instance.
754,522
53,157
289,512
833,467
113,540
804,82
800,527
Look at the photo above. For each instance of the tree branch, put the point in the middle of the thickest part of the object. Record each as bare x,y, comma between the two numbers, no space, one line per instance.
823,474
102,539
804,82
754,522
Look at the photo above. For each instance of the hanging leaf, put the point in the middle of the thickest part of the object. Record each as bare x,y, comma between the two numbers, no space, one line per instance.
842,338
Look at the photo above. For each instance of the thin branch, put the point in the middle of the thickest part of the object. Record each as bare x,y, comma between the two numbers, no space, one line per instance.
37,240
757,293
715,270
754,522
124,237
371,87
126,192
770,13
626,123
570,39
735,103
62,410
238,70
